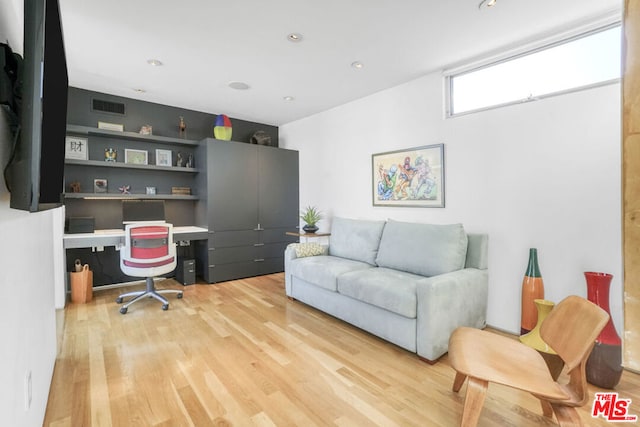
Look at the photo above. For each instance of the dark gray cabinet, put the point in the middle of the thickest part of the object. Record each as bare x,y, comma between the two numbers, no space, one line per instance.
251,201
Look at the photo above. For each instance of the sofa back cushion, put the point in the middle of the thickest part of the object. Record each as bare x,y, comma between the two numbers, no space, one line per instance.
355,239
424,249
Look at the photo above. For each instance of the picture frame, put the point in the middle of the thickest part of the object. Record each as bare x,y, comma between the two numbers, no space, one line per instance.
412,177
76,148
111,126
151,190
163,158
136,157
100,185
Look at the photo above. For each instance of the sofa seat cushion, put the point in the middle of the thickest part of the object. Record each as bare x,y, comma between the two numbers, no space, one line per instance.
386,288
323,270
424,249
356,239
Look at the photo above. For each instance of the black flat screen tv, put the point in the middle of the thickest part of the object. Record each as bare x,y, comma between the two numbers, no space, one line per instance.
37,167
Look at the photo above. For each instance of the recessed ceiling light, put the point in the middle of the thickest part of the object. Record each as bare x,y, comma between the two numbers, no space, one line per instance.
357,65
238,85
288,98
154,62
294,37
139,90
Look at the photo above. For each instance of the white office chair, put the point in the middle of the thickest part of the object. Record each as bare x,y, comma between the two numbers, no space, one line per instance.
148,251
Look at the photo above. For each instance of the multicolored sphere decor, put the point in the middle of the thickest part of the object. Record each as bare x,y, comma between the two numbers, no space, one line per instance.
222,129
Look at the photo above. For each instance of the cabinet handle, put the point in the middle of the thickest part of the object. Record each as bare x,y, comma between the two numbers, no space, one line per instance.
258,244
259,260
259,228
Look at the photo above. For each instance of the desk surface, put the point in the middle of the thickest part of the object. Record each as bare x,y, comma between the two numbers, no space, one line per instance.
113,237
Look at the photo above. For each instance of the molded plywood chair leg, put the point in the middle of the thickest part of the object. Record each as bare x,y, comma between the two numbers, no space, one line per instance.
547,410
473,401
567,416
457,383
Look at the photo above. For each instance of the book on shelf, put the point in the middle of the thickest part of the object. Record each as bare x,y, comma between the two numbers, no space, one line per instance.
181,190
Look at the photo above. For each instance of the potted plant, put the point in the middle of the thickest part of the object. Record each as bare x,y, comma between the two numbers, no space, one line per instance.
310,216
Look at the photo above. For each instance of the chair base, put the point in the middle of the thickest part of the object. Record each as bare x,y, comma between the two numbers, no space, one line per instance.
150,292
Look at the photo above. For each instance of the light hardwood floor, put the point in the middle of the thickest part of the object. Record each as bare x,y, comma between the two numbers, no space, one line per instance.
240,353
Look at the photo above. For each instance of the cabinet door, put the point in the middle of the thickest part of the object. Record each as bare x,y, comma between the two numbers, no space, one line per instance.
232,190
278,188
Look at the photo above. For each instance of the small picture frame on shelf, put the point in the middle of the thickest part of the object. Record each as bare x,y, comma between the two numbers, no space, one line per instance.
76,148
163,157
111,126
151,190
136,157
100,185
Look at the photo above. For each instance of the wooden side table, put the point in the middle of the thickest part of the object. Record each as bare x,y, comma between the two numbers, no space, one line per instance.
307,236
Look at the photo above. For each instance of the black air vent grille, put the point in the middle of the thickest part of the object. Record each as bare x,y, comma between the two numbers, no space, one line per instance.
107,106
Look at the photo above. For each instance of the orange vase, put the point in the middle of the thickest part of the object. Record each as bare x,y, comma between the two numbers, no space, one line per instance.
532,289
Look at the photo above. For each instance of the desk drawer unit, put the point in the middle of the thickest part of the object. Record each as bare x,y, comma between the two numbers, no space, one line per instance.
186,271
244,253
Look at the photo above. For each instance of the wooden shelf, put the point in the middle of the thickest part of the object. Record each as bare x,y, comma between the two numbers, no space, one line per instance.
132,136
118,196
298,234
98,163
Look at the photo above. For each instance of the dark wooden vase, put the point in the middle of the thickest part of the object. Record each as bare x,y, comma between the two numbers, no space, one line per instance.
604,366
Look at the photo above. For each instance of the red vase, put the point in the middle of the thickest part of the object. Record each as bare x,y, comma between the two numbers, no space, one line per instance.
604,366
532,289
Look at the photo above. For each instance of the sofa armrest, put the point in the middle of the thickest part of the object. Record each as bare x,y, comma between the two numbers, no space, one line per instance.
446,302
290,255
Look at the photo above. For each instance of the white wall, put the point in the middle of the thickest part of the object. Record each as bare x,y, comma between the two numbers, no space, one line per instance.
27,316
544,174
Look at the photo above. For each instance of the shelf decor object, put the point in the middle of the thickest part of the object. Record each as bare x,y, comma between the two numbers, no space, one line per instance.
411,177
110,155
181,190
182,128
116,127
76,148
222,129
604,366
532,289
163,157
100,185
534,340
136,157
146,130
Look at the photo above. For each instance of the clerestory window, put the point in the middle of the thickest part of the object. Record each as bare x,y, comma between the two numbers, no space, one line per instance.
584,61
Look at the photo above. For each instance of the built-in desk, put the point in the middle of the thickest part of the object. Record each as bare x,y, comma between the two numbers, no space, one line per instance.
115,237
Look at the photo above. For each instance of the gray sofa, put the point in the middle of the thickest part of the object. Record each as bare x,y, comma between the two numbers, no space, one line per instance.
410,284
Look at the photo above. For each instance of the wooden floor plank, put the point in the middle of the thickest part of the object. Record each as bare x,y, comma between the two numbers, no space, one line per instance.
240,353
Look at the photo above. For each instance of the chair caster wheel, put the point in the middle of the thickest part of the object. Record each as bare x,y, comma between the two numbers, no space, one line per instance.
165,307
180,295
123,310
119,301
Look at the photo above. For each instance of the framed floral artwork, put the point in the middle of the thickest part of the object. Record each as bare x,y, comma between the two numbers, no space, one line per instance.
411,177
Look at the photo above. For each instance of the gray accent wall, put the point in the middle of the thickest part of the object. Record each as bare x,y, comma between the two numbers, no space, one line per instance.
164,119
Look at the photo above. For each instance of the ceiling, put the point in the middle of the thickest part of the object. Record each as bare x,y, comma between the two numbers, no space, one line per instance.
205,44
